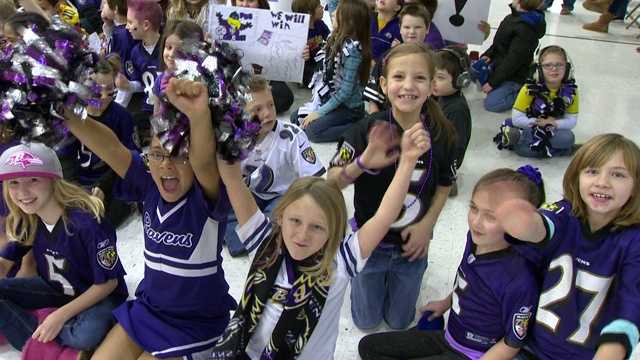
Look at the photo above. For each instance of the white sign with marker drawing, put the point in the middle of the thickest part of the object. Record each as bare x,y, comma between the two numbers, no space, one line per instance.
271,41
458,20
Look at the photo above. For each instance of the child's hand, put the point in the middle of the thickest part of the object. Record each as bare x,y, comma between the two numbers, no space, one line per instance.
189,97
542,122
229,172
122,83
97,192
415,142
416,239
395,42
382,149
438,308
486,59
307,120
485,28
305,52
486,88
50,327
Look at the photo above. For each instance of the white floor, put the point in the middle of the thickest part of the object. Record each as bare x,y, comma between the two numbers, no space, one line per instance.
605,66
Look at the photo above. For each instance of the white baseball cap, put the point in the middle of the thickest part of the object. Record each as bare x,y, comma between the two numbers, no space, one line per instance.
31,159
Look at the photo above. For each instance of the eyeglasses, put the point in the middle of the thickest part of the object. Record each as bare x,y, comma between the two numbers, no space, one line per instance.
159,157
553,66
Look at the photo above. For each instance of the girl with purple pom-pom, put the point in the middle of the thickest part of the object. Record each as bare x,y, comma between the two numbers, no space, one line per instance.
184,211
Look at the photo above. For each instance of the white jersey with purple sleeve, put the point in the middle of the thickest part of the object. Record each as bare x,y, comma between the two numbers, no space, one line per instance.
143,66
76,257
591,286
283,155
347,264
183,301
494,298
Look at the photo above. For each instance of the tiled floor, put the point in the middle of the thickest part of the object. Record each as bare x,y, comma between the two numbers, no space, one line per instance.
605,65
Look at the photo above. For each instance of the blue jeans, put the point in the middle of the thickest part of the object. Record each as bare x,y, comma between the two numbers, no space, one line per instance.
502,98
387,289
332,126
561,143
565,3
85,331
235,246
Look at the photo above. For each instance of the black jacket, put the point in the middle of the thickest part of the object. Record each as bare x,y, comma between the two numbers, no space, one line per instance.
513,46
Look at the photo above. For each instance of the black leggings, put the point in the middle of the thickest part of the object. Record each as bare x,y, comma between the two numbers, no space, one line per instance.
411,344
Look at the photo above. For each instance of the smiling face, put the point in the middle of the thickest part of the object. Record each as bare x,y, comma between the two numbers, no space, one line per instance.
173,176
413,29
305,229
33,195
605,190
171,46
553,67
407,83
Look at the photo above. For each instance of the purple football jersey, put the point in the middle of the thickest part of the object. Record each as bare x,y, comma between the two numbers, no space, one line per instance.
91,167
144,67
494,297
182,248
589,280
74,258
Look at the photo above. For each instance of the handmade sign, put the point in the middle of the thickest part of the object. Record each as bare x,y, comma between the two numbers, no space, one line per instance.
271,41
458,20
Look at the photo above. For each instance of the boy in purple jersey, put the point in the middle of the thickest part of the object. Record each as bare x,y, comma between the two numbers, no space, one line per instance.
182,304
495,290
82,166
78,270
119,39
144,18
589,246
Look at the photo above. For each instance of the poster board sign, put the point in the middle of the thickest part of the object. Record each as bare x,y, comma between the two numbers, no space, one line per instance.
458,20
271,41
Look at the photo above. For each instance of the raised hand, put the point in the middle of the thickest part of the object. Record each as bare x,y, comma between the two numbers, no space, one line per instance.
415,142
382,149
229,172
189,97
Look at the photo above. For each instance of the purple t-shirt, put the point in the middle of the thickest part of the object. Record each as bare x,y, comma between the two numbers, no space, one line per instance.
434,38
182,248
495,297
75,258
589,280
381,39
144,67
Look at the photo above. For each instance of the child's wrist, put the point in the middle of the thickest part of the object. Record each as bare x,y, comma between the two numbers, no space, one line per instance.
364,168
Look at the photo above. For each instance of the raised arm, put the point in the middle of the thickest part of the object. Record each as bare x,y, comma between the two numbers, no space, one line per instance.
521,220
415,142
242,201
192,99
101,141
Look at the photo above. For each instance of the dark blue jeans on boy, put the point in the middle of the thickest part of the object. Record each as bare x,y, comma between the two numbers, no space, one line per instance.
502,98
235,246
85,331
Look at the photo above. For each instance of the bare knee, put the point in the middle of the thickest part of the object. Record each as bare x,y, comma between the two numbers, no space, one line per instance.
117,346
